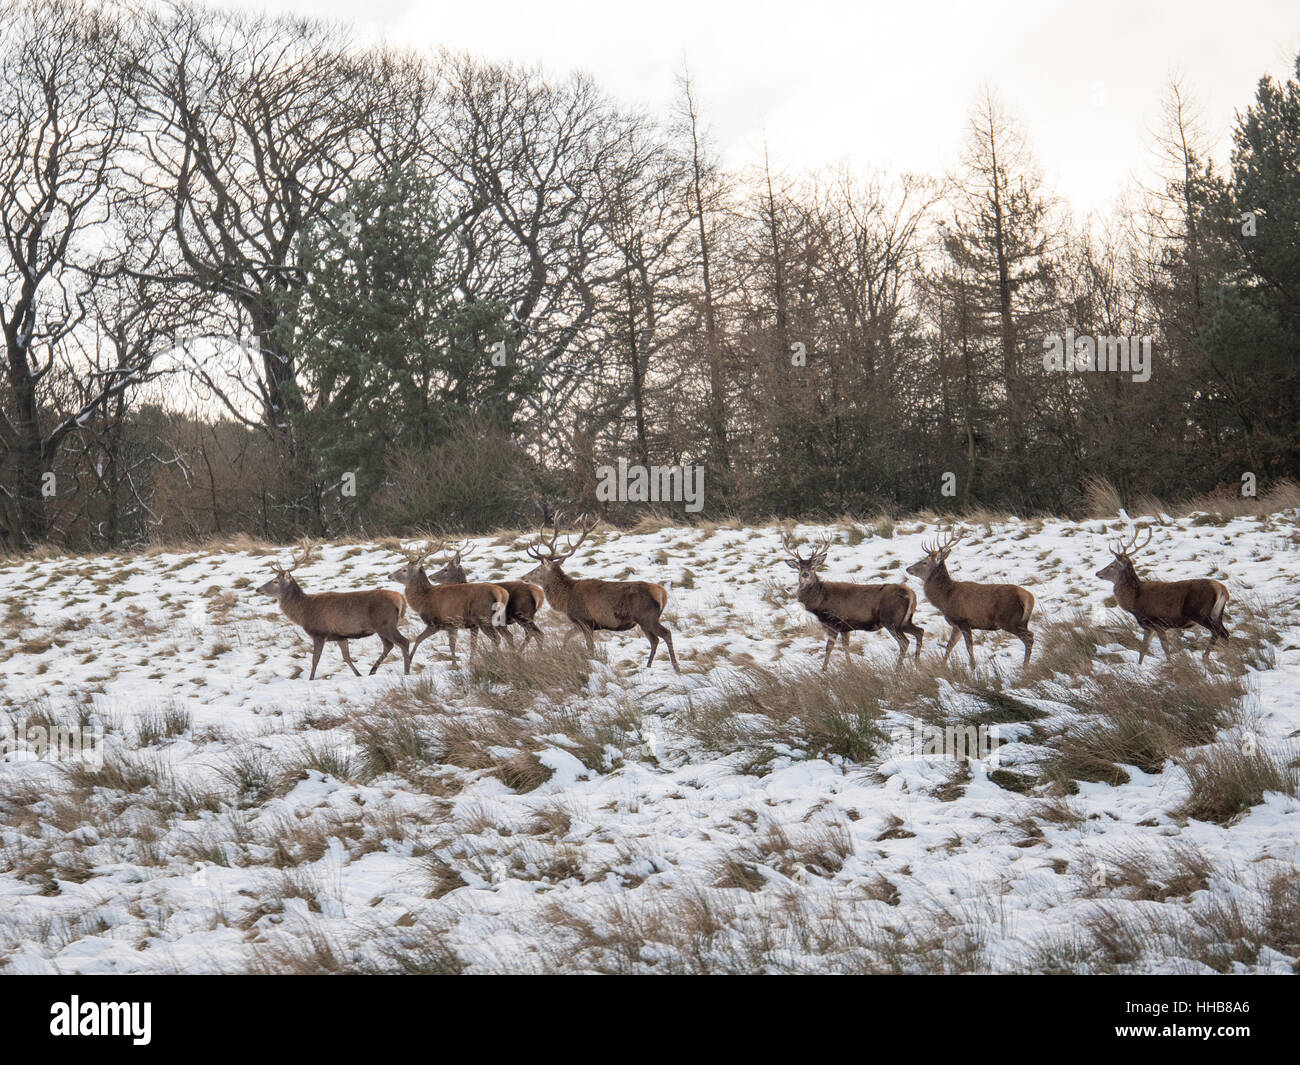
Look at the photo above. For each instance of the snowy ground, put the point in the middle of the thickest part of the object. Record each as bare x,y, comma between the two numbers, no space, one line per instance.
595,815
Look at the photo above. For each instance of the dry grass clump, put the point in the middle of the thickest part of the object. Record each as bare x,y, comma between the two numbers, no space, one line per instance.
508,746
818,850
1101,499
1227,779
1218,929
1142,720
512,679
722,930
1150,873
393,741
802,709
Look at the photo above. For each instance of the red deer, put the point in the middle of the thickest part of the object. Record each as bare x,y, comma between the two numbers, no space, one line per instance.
337,617
1161,605
843,608
525,599
966,605
450,607
592,604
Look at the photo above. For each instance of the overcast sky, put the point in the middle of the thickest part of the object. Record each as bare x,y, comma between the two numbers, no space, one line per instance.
884,85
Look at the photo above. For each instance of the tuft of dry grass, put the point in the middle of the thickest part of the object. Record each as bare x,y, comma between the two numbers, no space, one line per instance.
838,712
1227,779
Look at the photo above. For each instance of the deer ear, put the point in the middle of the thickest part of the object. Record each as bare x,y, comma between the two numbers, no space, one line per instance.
791,563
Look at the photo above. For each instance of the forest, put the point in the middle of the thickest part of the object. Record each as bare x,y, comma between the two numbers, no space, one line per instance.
257,278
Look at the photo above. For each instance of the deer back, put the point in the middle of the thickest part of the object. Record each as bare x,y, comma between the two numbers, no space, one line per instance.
981,606
346,614
615,604
860,604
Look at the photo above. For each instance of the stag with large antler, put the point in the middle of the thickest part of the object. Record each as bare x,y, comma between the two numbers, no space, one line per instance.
525,600
593,604
842,607
966,605
1161,605
451,607
337,617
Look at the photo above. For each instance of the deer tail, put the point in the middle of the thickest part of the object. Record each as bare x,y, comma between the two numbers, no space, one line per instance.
1220,602
911,605
1029,606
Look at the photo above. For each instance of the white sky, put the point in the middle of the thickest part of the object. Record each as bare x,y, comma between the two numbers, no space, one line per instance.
885,85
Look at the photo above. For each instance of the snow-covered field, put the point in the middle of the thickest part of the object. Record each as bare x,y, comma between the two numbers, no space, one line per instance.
550,812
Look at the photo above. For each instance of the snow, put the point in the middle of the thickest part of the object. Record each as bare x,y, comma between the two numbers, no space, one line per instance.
128,884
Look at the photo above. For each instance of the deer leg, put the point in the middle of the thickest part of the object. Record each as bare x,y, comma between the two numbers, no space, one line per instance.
970,646
953,637
1146,642
451,639
1217,633
901,640
317,646
404,645
661,630
1027,638
388,646
844,643
429,630
532,632
494,633
918,634
1164,643
830,646
508,636
347,657
654,644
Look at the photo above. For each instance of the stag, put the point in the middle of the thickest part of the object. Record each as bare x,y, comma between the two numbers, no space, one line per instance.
525,599
593,604
337,617
1161,605
451,607
842,607
966,605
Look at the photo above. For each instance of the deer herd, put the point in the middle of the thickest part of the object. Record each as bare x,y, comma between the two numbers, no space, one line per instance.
448,601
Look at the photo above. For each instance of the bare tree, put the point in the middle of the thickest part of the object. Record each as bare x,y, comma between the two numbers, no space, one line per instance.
65,109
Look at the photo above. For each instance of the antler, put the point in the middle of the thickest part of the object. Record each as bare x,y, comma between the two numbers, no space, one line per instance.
819,551
1120,549
303,554
951,539
416,555
544,549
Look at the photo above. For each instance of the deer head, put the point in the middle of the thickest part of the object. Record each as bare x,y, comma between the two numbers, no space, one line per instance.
808,566
414,564
936,554
548,556
283,580
1122,563
452,571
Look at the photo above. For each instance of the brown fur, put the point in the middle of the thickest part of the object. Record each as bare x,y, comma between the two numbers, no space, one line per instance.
967,605
842,607
525,600
336,617
451,607
1161,605
613,606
